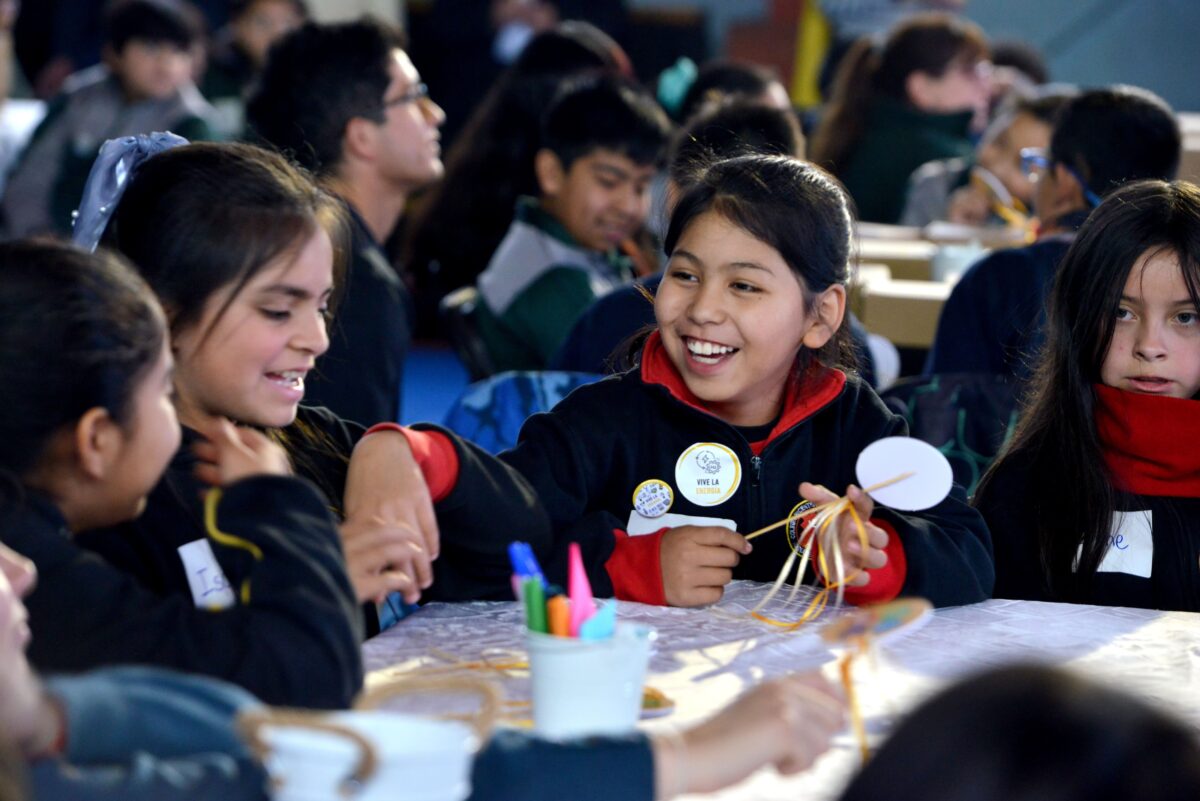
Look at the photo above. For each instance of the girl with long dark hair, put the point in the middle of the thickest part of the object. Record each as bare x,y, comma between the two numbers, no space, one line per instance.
1096,499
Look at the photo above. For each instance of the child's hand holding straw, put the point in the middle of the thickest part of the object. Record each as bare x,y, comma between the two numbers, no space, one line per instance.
848,537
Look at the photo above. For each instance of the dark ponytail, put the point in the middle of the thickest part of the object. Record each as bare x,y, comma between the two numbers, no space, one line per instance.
928,43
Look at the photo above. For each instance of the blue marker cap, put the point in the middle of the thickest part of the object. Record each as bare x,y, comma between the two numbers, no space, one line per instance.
524,563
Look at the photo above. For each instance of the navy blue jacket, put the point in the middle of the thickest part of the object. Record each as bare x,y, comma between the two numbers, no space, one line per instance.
587,457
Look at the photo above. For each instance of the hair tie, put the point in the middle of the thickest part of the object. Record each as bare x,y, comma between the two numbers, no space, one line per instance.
674,83
117,162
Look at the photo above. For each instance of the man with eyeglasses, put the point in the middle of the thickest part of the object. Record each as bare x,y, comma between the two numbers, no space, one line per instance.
346,102
993,320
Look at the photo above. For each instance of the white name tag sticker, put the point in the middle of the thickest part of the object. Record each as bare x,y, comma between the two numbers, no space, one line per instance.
1130,545
640,525
210,589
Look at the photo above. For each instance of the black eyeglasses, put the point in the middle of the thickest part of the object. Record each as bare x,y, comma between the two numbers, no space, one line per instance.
415,93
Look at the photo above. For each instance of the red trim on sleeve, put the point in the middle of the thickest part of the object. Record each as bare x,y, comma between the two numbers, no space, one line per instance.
434,453
635,568
887,581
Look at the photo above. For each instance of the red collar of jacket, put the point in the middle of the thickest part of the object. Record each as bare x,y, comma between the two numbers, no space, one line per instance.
802,399
1149,442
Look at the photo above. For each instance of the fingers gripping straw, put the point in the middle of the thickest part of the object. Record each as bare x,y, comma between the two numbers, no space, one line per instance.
899,472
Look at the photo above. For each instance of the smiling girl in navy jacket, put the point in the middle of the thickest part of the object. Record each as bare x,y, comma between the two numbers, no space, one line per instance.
736,401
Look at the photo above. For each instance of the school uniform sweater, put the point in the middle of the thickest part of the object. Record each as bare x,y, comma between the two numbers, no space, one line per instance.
588,457
292,638
481,506
1153,557
537,284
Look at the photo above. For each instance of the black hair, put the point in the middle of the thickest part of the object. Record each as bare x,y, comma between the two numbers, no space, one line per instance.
1117,134
719,79
605,112
1032,733
318,78
732,127
1071,492
77,332
928,43
1023,57
149,21
795,207
201,217
490,163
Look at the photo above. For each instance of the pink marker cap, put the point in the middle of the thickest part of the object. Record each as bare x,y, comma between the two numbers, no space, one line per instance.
579,589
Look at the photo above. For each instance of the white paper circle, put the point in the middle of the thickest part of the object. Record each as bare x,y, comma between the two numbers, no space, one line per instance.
893,456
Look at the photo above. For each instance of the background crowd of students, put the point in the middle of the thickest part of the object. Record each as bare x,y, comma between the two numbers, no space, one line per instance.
202,461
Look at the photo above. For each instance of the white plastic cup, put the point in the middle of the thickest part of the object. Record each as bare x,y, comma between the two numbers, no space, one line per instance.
419,759
584,687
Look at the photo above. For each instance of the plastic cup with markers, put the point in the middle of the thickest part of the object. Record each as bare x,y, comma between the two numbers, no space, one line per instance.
587,670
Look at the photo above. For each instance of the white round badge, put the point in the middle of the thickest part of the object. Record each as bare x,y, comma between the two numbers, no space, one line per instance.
708,474
653,498
887,458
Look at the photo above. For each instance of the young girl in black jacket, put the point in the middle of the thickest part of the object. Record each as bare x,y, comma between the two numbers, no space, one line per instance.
85,379
737,400
244,252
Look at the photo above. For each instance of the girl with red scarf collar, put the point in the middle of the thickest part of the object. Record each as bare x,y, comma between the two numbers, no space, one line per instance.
1097,499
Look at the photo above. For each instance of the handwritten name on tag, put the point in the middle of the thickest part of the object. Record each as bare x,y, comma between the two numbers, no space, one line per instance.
1130,545
210,589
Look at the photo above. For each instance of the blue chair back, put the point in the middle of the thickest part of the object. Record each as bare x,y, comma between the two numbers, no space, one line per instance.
491,412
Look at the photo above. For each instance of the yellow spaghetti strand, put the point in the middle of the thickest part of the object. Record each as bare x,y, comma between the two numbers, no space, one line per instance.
845,666
211,500
822,532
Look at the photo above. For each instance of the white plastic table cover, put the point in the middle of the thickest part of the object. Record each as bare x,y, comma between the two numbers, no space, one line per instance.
705,657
